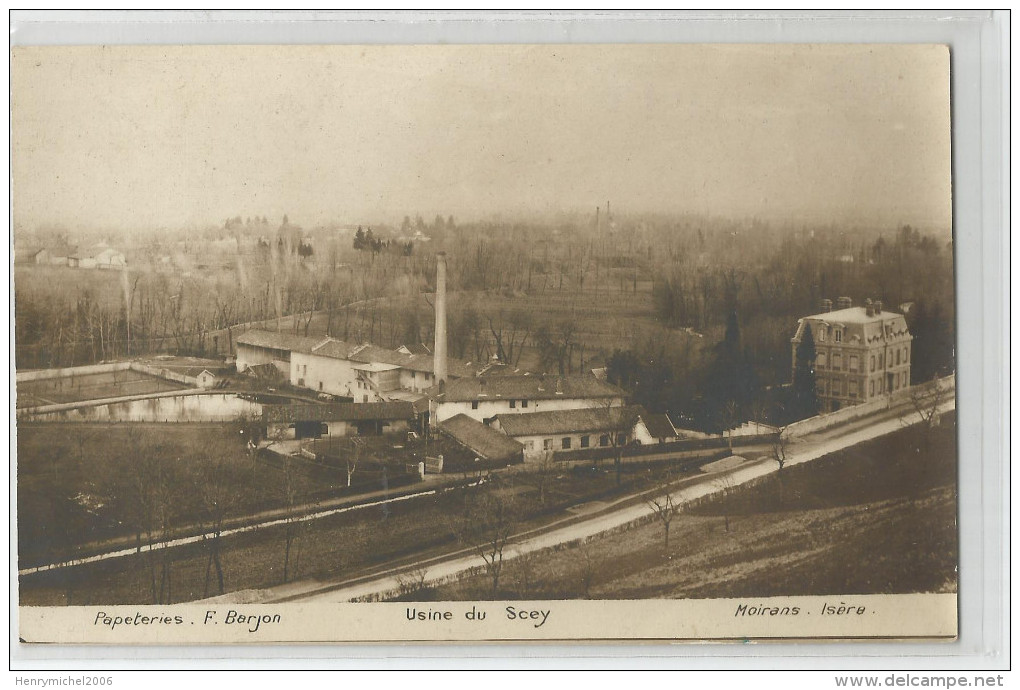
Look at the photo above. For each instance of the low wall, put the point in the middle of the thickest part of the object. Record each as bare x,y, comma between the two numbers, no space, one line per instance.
43,374
847,414
629,451
164,374
164,407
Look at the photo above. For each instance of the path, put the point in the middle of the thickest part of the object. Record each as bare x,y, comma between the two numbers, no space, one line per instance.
807,450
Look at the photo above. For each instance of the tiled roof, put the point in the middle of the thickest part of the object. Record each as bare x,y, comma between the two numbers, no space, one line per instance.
570,421
858,328
338,412
279,341
659,426
337,349
373,354
525,388
488,443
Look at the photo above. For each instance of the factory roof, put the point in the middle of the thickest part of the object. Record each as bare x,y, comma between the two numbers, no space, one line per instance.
524,387
593,419
279,341
483,440
338,412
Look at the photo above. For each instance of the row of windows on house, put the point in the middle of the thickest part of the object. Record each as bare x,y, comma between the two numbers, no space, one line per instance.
567,442
513,403
853,361
851,389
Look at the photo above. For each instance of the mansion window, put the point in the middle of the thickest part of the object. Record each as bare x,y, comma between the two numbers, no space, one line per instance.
872,362
853,389
853,362
897,356
820,360
839,336
871,387
837,361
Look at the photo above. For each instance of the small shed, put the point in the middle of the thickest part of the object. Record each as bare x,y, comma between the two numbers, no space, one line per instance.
206,379
482,440
661,428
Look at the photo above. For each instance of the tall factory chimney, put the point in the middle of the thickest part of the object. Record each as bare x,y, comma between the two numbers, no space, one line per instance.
439,366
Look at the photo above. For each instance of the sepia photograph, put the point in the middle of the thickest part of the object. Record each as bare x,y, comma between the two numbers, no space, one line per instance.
484,342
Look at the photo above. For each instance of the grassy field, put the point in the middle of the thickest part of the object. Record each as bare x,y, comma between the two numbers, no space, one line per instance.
876,518
339,546
605,319
72,480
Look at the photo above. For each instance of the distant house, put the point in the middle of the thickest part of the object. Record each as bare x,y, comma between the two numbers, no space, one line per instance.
32,256
568,430
481,440
81,261
110,258
99,256
484,397
206,379
340,419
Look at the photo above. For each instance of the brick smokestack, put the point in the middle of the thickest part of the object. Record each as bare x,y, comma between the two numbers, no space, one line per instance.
439,366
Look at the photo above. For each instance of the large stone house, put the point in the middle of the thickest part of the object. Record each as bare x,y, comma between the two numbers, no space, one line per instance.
863,353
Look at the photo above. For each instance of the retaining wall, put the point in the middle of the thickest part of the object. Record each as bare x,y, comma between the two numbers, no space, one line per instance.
847,414
43,374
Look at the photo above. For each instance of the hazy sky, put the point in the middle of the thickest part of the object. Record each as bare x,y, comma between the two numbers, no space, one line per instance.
168,136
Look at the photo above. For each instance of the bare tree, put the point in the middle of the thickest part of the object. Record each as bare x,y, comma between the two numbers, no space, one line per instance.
488,523
353,458
544,468
213,488
510,333
589,567
927,400
780,448
665,509
290,494
729,416
524,572
724,484
412,582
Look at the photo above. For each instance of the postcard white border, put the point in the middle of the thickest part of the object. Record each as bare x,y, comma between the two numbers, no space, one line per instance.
981,213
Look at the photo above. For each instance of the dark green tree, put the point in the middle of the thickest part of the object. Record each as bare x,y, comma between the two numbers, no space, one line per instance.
731,384
804,401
